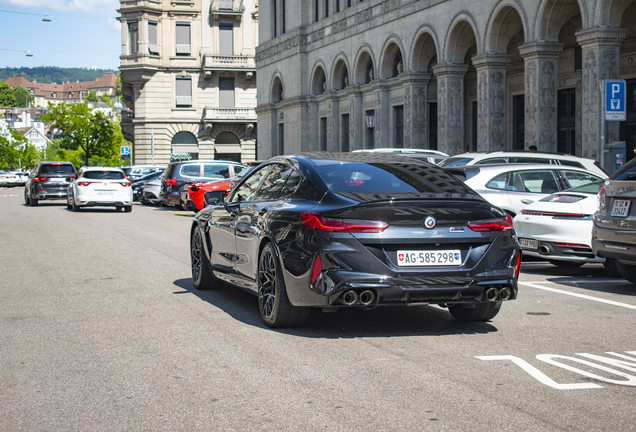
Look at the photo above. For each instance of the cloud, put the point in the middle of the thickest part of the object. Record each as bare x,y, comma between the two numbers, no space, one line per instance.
114,25
66,5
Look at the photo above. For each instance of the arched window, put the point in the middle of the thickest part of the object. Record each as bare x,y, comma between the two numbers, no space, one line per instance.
368,74
398,65
184,147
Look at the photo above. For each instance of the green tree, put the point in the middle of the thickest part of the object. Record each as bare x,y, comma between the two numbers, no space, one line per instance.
118,85
15,148
22,97
91,97
7,95
106,99
95,133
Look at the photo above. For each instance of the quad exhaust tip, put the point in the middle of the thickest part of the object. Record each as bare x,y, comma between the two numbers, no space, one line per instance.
492,294
350,298
367,298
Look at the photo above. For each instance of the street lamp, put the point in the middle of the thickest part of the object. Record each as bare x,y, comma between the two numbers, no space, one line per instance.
29,54
46,18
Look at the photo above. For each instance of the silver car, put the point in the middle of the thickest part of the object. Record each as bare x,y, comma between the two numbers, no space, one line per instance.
614,230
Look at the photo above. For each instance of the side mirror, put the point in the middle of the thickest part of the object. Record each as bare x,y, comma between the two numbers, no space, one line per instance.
214,198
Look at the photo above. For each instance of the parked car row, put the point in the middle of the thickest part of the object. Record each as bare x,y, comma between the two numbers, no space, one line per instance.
11,179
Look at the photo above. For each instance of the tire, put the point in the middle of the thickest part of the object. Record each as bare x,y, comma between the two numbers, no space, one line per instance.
202,276
75,207
119,208
627,271
481,311
128,209
566,264
33,202
610,266
27,200
275,308
68,202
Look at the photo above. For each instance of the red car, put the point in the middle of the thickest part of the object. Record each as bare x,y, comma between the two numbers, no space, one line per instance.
215,192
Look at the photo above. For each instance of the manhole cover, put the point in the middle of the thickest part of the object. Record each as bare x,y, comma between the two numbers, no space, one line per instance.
538,313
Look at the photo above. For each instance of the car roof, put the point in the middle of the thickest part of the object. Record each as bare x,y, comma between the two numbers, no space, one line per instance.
401,151
540,154
515,167
319,158
84,169
206,161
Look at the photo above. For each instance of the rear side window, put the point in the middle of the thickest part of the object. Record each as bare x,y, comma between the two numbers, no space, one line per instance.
238,169
571,163
104,175
57,169
576,179
389,178
542,181
169,171
534,160
191,170
220,171
455,161
492,161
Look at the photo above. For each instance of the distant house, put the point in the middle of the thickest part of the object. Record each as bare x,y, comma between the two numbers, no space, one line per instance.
35,137
66,92
26,121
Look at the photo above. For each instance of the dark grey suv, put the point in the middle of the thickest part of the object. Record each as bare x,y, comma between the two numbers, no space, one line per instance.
178,174
614,230
48,181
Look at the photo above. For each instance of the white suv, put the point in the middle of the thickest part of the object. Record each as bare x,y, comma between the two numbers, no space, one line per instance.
505,157
100,186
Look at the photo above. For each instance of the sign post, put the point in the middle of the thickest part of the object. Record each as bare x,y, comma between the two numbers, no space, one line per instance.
613,100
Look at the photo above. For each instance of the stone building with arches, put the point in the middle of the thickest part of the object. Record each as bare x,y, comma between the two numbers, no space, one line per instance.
189,78
450,75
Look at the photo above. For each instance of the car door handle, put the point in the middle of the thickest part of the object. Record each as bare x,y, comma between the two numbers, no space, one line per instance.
527,201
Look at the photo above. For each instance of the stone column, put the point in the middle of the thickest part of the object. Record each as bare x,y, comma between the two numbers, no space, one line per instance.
356,119
382,117
541,94
491,101
206,31
450,106
416,110
601,60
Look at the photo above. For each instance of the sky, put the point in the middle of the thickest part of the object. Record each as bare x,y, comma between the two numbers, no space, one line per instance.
81,33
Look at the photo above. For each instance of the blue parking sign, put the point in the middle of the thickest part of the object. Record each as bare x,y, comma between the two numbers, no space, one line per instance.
615,98
124,150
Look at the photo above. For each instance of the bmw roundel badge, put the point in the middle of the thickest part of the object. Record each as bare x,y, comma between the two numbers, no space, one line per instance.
429,222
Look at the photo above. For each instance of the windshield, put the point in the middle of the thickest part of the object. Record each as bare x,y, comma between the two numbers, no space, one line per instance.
104,175
57,169
455,161
388,178
591,188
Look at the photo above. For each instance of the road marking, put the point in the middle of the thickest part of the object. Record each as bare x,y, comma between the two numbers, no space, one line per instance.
583,296
582,281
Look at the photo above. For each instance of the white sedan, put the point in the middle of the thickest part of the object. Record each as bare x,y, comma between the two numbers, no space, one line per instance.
558,227
513,187
8,179
99,186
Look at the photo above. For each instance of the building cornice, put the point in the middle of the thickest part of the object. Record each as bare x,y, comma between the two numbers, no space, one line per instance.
601,35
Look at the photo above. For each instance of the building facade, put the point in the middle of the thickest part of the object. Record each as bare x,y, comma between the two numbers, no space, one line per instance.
450,75
189,78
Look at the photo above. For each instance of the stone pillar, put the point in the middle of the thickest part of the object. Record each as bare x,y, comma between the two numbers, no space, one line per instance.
416,110
541,94
491,101
333,123
206,31
356,119
601,60
450,106
382,117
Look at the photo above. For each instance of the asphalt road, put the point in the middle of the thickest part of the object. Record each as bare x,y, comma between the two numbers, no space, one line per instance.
101,330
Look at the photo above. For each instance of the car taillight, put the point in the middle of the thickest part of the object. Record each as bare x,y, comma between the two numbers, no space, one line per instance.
315,271
84,183
601,199
125,184
492,226
170,182
518,265
318,223
40,179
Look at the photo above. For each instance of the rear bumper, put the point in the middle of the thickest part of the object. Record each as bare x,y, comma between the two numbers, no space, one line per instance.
620,245
105,204
50,195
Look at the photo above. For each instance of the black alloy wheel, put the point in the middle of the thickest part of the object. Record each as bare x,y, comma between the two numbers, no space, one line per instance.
275,308
480,311
202,276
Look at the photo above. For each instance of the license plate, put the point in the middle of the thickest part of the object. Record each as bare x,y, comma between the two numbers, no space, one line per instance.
104,192
529,244
621,208
429,258
57,179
